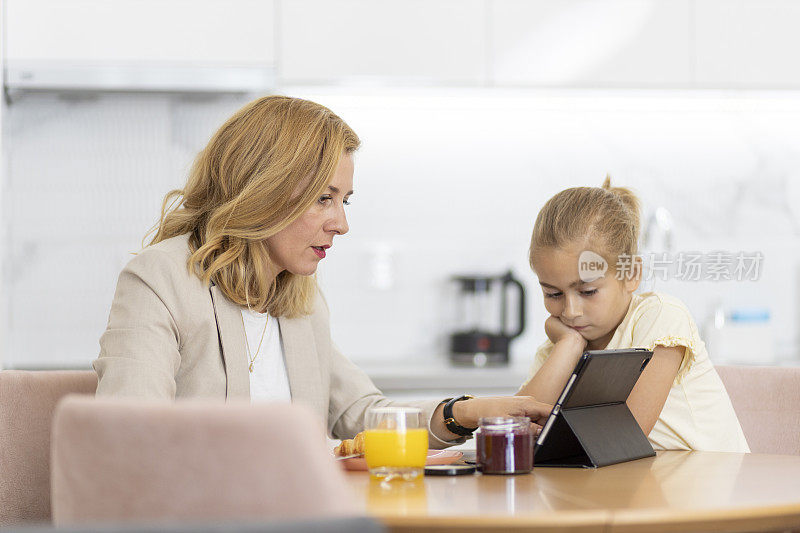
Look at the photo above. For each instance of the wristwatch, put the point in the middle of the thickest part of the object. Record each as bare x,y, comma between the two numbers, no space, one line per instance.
450,422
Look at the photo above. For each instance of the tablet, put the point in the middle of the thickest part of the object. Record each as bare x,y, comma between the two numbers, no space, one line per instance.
590,424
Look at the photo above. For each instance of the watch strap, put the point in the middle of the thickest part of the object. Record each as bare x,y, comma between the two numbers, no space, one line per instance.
450,422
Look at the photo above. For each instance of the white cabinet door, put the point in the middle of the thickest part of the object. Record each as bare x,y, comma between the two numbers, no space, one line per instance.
748,43
197,32
586,43
414,41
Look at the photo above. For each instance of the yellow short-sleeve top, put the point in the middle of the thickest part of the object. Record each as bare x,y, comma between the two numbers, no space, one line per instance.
698,414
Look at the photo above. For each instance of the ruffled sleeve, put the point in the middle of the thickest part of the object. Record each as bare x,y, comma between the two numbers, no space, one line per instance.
667,324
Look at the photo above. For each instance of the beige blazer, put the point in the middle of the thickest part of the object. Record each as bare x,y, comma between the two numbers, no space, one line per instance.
169,336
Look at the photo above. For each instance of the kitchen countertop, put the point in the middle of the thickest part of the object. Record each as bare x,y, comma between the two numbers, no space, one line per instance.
434,374
438,374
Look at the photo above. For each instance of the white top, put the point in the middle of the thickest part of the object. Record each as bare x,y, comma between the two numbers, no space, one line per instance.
268,380
698,414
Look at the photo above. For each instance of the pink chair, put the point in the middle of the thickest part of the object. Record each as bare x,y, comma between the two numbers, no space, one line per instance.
767,402
27,402
127,461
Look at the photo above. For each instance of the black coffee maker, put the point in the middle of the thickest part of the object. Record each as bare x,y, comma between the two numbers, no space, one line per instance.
480,340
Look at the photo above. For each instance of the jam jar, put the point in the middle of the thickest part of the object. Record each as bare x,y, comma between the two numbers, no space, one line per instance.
505,445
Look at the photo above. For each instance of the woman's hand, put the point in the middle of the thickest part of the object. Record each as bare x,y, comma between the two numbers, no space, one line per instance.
467,412
557,332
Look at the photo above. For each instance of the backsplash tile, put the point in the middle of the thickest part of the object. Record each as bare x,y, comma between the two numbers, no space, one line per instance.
447,182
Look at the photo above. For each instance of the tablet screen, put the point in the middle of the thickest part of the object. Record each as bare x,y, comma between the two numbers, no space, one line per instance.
600,377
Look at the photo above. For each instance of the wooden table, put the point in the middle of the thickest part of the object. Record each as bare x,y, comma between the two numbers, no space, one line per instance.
674,491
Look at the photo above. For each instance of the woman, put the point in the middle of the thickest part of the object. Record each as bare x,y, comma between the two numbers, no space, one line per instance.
223,302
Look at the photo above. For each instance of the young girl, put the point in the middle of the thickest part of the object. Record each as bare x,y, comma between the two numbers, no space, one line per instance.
679,400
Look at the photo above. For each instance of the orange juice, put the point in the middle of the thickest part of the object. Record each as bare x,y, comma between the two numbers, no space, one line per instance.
389,448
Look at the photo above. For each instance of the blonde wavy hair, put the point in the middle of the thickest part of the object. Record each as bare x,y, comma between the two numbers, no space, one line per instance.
604,218
259,172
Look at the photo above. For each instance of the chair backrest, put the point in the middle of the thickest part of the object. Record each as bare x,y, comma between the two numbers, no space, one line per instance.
27,402
767,402
126,461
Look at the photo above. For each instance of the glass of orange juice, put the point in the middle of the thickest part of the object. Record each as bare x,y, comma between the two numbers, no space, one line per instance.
395,442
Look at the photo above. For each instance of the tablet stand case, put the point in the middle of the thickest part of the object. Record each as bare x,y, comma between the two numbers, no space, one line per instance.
593,426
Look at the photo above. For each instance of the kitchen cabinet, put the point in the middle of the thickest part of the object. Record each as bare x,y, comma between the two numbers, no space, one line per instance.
409,42
231,32
747,43
246,44
586,43
140,44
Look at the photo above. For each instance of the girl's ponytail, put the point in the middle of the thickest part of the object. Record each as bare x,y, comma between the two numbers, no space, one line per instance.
628,198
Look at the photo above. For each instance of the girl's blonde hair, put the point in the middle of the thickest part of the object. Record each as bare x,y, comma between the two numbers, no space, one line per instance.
259,172
603,219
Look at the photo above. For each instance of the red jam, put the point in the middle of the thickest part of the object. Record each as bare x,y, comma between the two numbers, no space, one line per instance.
505,445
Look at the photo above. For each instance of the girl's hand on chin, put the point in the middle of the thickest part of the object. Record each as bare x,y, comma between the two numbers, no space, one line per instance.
557,331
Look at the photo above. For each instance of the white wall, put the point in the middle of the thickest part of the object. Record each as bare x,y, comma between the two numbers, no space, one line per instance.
449,178
446,182
4,321
87,175
452,183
